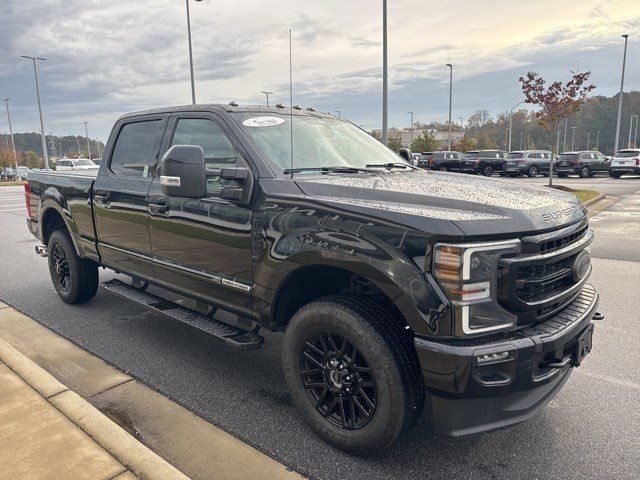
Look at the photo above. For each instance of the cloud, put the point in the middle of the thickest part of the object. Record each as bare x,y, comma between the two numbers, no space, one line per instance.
105,58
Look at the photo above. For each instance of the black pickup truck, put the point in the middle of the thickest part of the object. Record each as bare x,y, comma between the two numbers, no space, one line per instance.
389,282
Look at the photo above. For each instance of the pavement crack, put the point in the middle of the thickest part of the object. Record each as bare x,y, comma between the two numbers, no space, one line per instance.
109,388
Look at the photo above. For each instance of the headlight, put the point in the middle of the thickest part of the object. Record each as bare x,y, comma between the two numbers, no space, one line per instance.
468,274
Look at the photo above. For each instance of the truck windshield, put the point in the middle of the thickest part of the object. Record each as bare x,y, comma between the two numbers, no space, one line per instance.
317,142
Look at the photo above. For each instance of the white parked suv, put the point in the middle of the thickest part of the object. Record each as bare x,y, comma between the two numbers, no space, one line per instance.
76,164
626,161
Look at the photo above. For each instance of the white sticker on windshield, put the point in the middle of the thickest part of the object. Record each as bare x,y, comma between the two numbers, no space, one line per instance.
263,122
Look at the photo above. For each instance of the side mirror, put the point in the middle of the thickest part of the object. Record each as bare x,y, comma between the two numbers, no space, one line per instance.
183,173
406,154
238,193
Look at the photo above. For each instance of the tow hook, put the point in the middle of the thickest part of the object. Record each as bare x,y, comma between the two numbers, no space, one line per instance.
598,316
41,250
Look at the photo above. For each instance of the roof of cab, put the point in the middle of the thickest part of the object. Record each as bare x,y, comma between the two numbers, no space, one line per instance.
230,108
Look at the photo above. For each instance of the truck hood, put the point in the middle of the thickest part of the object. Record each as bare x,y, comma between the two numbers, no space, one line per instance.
424,199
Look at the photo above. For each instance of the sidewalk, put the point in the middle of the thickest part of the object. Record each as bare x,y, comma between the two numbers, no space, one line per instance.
55,428
38,442
50,432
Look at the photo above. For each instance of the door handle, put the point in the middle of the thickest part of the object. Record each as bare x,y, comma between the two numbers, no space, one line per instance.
159,207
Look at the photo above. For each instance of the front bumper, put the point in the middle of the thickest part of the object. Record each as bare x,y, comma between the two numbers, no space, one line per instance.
520,169
470,168
525,369
568,170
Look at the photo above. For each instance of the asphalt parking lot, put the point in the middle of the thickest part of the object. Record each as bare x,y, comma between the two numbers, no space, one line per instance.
590,430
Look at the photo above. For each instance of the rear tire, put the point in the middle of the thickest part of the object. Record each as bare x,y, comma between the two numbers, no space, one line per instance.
487,171
585,172
329,394
74,278
532,172
616,175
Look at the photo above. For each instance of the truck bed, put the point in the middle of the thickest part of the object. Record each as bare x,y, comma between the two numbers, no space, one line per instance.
69,194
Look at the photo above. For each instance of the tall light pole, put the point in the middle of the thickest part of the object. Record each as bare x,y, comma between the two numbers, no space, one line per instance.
598,140
511,121
564,139
86,133
267,94
573,137
521,135
450,101
193,83
411,130
385,76
631,128
624,61
13,145
45,153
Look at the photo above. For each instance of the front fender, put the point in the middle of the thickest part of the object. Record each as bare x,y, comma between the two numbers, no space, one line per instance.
389,256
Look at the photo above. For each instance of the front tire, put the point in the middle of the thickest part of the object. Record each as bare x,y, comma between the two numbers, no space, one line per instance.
353,373
615,175
487,171
532,172
585,172
74,278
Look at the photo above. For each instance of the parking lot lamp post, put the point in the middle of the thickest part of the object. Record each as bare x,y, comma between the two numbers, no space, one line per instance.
86,133
450,101
573,137
521,135
385,74
564,139
411,130
193,83
13,145
45,153
598,140
511,121
631,129
624,61
267,94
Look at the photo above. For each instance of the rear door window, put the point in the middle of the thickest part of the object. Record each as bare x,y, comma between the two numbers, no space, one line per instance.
136,148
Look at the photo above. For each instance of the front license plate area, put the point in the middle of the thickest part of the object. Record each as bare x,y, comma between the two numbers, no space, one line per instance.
582,346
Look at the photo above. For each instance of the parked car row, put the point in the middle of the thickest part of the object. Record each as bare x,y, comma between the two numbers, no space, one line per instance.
533,163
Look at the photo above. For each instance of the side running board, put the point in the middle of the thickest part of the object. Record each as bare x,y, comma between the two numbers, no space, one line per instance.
232,336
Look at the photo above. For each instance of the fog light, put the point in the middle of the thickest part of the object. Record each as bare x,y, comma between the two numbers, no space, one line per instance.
490,358
495,369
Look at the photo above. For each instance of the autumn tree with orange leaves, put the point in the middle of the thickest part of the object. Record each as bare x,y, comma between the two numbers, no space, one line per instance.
556,101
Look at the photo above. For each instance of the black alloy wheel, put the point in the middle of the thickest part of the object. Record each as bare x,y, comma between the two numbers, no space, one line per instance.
585,172
487,171
338,380
60,266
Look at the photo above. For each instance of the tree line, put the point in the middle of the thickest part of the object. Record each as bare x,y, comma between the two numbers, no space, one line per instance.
29,148
594,122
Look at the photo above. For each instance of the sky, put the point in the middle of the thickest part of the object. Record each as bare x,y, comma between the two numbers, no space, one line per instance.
109,57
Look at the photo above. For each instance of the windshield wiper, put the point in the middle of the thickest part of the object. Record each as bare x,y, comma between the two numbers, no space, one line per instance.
391,165
338,169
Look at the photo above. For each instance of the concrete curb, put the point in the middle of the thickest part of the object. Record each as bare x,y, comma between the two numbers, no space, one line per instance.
121,445
594,200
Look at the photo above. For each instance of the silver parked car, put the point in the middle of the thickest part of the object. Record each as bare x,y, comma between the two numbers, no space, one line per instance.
528,162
